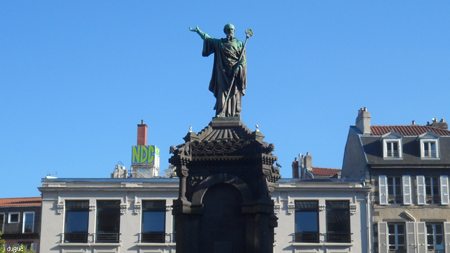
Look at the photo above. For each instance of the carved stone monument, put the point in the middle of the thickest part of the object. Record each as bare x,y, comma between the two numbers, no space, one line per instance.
226,176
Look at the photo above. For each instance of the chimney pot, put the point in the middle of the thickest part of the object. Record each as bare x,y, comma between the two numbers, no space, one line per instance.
142,134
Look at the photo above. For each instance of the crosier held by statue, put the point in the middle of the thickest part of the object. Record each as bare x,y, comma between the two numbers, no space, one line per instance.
227,52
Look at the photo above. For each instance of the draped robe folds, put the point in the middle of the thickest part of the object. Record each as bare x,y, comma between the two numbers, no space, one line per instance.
226,56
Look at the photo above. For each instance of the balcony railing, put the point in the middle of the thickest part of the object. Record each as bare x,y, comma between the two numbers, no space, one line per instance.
306,237
107,237
153,237
76,237
431,154
338,237
397,251
393,153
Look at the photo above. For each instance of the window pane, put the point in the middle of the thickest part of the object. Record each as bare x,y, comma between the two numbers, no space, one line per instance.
391,229
401,228
153,222
338,221
28,222
392,239
14,217
401,239
108,216
306,222
76,222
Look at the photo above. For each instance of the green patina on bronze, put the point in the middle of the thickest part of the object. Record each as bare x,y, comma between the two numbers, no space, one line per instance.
229,75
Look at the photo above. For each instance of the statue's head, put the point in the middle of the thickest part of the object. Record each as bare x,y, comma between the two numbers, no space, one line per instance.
228,29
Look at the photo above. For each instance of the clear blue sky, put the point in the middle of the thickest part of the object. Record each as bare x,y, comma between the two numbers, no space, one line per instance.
76,77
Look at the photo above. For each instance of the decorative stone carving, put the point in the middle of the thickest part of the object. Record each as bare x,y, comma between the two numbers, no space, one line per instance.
60,208
169,207
276,208
322,207
123,208
352,209
91,207
137,207
291,208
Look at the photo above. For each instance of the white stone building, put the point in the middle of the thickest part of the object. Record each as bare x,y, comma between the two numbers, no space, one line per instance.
134,215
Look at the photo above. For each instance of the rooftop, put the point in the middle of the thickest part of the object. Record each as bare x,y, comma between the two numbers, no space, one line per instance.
17,202
317,171
407,130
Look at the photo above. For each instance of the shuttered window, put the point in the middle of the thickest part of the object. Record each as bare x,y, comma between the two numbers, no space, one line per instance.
421,194
383,190
444,190
382,237
406,182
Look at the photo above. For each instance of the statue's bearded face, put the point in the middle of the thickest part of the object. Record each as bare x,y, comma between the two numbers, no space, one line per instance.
229,31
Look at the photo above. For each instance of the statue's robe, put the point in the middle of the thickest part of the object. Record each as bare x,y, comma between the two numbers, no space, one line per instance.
226,57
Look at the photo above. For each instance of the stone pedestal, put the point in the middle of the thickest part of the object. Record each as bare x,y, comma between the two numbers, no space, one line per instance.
226,177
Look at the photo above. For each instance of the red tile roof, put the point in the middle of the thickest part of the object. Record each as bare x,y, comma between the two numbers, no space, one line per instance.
325,171
407,130
33,201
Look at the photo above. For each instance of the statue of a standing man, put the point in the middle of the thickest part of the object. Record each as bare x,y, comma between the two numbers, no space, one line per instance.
227,66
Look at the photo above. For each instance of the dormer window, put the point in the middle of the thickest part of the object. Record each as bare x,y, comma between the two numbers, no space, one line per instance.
429,146
392,146
392,149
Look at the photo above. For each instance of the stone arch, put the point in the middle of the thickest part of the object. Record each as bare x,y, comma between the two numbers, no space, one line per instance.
239,184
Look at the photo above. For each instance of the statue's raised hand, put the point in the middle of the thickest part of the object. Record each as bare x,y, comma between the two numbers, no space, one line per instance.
196,29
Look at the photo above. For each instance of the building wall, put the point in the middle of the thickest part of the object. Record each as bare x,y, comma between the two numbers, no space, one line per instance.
130,220
289,190
13,232
134,191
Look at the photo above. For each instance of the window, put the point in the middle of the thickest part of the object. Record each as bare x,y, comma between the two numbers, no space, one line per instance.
77,219
14,217
153,221
429,148
396,236
307,221
338,221
435,237
395,190
392,148
28,222
108,221
432,190
2,222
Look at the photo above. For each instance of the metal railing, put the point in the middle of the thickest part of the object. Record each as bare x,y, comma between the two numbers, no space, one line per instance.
338,237
430,153
107,237
306,237
81,237
393,153
153,237
397,251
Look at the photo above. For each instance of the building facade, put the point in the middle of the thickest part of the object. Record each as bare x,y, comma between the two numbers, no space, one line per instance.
407,167
20,222
135,215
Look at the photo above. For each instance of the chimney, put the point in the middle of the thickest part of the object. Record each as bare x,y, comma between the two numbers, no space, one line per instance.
363,121
142,134
307,162
441,124
295,168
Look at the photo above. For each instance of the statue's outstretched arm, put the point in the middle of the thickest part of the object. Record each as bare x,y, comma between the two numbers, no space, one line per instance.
202,34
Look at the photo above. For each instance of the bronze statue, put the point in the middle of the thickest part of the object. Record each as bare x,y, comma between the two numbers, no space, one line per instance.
229,76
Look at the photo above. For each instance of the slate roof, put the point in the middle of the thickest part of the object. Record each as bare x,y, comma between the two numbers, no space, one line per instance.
407,130
317,171
17,202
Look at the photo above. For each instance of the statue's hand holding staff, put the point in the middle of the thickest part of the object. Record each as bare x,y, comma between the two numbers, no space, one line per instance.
196,29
